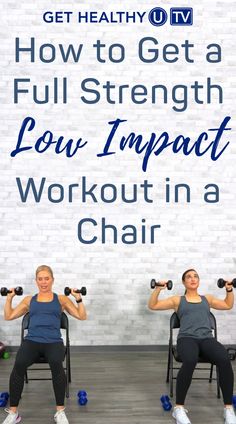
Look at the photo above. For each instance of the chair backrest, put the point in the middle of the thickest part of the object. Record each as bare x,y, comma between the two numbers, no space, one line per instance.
64,321
25,322
175,323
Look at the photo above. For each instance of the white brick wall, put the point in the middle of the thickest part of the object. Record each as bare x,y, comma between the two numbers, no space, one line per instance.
197,234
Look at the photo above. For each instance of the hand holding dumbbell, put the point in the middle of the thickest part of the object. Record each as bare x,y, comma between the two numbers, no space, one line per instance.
154,284
16,291
221,283
82,291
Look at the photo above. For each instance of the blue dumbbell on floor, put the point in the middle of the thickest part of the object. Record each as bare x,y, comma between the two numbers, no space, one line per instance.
4,396
82,397
165,401
234,401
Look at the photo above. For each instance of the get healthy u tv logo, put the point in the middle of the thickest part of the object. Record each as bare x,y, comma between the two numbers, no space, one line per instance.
178,16
156,16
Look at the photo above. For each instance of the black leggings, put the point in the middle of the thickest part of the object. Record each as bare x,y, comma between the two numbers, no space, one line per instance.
210,349
27,354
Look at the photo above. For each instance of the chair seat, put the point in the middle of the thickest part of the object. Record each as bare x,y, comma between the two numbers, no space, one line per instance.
41,360
178,359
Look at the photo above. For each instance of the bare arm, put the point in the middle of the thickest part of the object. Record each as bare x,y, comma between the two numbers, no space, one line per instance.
11,313
161,305
222,304
77,311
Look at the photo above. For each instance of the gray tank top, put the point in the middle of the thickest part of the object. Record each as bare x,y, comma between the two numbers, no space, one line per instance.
194,319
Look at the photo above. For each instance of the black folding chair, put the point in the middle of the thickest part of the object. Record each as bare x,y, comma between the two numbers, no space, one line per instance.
173,355
42,359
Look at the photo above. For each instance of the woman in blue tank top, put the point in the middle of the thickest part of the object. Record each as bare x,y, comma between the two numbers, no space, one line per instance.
43,338
195,337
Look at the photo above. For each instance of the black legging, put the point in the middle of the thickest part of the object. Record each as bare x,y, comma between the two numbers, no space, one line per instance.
210,349
27,354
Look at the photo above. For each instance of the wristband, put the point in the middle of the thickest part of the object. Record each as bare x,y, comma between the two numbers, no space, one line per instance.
230,290
79,301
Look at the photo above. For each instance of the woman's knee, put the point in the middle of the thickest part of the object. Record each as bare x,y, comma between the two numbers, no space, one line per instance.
224,362
21,365
189,363
55,364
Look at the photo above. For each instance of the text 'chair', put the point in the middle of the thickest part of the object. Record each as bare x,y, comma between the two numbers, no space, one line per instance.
173,355
42,359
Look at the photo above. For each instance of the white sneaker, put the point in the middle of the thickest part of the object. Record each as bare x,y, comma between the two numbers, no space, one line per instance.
229,416
60,417
180,415
12,418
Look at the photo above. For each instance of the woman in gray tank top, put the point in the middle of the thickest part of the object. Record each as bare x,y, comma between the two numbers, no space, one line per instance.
195,338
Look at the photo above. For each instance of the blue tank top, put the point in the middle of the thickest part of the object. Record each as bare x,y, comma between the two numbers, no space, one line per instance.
195,320
44,321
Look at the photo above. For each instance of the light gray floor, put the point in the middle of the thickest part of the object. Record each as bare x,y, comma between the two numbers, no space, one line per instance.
122,387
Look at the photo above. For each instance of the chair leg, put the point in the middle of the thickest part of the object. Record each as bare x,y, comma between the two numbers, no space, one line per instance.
211,373
67,374
171,386
217,383
168,368
67,385
69,367
171,375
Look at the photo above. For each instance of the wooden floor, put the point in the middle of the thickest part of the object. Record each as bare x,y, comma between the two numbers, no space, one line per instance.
122,387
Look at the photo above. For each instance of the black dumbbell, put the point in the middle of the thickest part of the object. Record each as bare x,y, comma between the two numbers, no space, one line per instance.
18,291
221,283
154,284
83,291
231,353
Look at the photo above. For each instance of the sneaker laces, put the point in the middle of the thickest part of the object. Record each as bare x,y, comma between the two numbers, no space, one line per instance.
182,409
59,412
